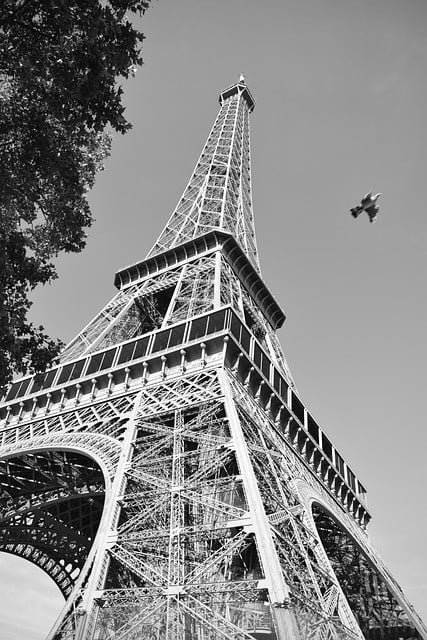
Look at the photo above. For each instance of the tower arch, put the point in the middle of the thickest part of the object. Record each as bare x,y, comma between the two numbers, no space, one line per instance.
372,594
51,506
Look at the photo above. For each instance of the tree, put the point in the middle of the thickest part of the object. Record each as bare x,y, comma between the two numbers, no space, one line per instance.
60,61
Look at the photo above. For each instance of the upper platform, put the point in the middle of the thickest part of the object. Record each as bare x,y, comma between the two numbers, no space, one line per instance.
212,241
238,88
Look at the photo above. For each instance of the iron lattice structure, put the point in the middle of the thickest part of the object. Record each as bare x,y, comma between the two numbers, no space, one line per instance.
167,475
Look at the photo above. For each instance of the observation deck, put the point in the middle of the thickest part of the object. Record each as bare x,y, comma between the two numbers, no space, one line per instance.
239,87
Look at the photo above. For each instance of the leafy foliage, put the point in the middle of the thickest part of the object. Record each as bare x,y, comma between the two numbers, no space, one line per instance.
59,65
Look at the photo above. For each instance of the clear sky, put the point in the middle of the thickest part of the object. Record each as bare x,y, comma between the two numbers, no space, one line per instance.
340,90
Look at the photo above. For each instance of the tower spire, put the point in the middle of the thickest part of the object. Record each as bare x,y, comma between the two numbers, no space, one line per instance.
218,195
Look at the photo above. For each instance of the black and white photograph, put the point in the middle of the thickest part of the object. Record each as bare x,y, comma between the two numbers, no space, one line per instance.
213,313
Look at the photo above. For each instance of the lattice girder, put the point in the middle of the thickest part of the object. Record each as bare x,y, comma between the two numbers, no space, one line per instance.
218,194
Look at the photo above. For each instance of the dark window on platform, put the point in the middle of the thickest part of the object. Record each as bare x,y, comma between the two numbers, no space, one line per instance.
37,383
276,380
12,393
140,348
257,355
77,370
284,389
327,446
339,462
18,389
298,408
351,479
265,366
94,364
101,361
245,339
161,341
42,381
249,320
177,335
64,376
198,328
312,427
25,386
108,358
71,371
216,322
49,378
235,327
126,352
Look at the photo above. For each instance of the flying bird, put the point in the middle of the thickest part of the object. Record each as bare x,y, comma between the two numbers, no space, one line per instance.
368,204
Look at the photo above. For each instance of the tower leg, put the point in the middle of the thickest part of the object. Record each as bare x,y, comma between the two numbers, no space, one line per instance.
286,624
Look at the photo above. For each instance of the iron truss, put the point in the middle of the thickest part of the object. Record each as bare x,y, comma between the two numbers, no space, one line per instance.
166,474
218,194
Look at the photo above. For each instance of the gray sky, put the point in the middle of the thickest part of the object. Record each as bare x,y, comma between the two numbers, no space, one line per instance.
340,95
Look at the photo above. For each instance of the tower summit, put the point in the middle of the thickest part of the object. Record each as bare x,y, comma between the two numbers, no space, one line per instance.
219,195
166,474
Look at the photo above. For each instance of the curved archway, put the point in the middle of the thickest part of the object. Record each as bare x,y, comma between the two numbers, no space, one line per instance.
51,503
369,594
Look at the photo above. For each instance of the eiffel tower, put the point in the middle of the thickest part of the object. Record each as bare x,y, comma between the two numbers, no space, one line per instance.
166,474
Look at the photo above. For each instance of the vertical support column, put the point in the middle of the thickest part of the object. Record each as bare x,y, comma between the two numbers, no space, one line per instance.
217,283
176,551
278,590
106,537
